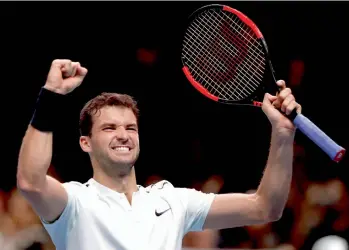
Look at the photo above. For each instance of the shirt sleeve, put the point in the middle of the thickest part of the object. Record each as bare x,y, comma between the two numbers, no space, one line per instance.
60,228
196,207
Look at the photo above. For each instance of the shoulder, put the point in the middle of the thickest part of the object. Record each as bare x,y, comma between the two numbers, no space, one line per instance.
168,191
163,185
74,187
79,191
164,190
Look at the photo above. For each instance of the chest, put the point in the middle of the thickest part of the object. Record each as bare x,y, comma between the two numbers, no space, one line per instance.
151,222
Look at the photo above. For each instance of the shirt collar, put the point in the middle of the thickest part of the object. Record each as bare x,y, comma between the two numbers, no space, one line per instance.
107,191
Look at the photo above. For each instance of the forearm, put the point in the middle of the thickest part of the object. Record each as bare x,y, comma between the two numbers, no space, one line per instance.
34,158
276,181
36,149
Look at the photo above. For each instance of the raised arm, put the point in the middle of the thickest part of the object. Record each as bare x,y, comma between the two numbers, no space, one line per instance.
268,202
46,195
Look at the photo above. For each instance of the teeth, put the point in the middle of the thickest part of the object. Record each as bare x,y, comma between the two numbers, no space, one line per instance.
121,149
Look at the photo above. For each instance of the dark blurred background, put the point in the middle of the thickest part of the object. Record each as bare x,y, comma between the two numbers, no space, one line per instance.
134,48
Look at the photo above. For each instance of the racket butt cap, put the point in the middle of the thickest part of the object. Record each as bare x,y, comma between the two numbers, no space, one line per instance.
339,156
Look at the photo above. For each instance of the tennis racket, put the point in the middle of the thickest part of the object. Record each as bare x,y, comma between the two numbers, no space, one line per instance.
225,57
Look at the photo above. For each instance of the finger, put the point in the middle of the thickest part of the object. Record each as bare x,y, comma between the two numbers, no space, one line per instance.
290,98
81,71
299,108
284,93
75,66
67,69
267,101
281,97
79,77
64,65
74,82
59,63
269,98
290,107
281,84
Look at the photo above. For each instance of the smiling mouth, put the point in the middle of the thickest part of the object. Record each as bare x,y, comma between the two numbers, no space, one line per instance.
121,149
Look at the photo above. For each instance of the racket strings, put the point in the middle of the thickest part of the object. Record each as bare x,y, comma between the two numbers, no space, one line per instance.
225,59
224,55
249,66
235,57
257,50
205,74
205,61
217,76
204,68
249,34
237,42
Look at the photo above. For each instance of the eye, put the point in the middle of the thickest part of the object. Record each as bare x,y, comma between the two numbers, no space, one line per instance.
108,128
132,128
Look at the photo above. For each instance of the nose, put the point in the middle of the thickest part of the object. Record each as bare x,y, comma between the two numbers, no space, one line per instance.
121,134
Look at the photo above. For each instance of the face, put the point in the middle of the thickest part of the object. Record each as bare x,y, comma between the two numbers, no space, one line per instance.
114,141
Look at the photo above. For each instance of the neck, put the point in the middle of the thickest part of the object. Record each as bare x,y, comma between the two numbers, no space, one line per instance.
120,182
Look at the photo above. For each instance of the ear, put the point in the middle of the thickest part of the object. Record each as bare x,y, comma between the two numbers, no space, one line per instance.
85,144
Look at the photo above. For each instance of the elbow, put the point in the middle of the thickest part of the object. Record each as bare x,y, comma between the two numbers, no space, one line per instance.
269,212
274,216
274,212
22,182
268,216
26,184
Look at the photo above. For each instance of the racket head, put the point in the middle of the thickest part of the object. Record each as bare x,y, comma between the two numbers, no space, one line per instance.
225,57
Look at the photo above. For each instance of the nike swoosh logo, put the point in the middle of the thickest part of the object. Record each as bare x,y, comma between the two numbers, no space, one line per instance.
161,213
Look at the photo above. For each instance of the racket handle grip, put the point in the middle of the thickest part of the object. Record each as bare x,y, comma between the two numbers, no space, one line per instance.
315,134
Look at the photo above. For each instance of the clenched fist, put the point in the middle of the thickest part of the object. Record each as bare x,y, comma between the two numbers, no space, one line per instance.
284,101
64,76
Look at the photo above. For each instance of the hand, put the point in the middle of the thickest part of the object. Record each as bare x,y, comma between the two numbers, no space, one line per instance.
284,101
65,76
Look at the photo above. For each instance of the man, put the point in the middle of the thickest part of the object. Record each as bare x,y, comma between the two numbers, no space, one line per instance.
111,211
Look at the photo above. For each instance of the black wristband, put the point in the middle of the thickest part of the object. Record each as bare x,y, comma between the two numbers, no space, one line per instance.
47,110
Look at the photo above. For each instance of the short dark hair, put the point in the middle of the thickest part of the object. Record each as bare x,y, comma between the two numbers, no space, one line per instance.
100,101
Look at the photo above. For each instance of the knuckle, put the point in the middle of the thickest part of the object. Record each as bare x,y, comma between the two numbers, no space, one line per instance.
60,61
299,107
56,62
290,97
75,65
285,93
282,95
289,109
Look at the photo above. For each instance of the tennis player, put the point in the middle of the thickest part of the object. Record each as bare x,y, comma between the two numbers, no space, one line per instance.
110,211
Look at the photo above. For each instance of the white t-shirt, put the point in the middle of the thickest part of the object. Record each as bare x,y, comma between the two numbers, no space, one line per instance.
98,218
